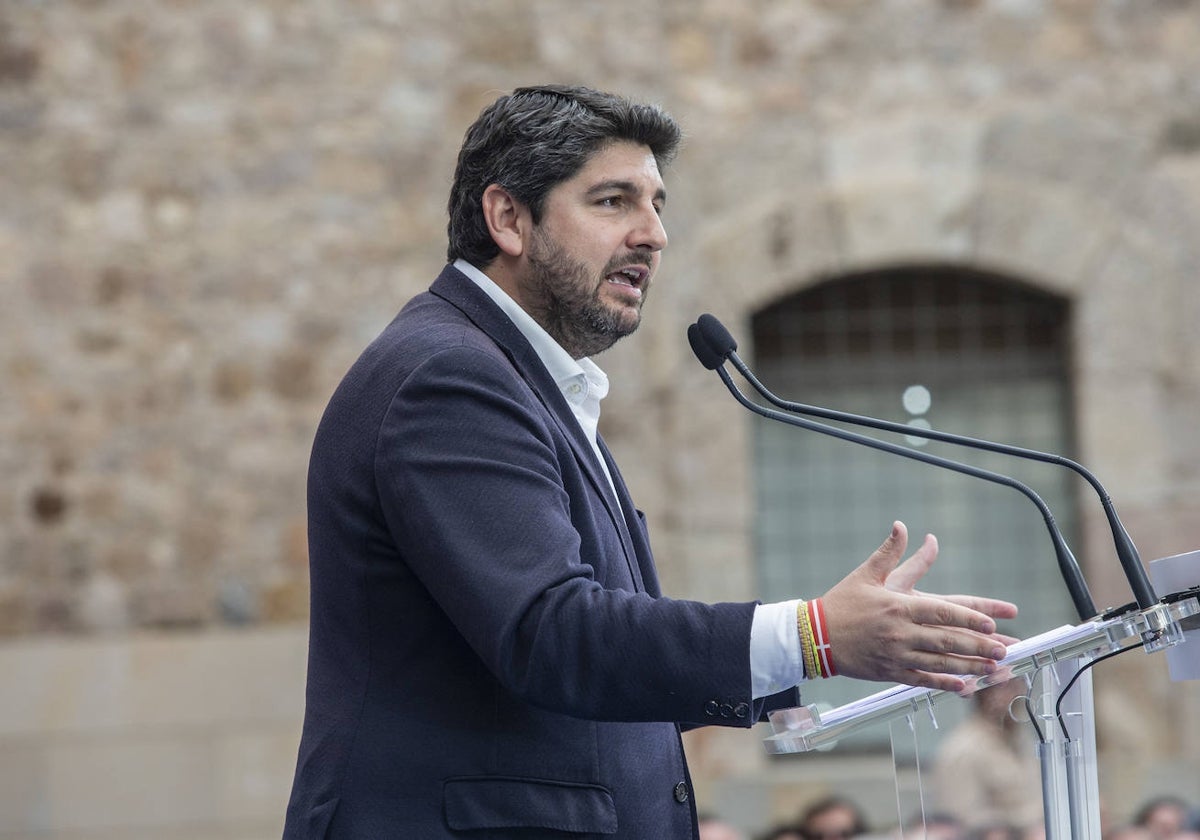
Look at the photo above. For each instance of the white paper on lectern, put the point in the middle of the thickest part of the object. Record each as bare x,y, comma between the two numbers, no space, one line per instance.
1174,574
1016,651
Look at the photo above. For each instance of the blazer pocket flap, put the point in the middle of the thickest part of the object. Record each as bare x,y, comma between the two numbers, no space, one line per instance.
506,802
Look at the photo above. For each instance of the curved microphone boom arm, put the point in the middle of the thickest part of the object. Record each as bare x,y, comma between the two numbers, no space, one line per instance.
722,345
1067,564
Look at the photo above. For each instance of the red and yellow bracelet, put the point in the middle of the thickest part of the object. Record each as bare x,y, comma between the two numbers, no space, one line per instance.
812,668
815,649
822,651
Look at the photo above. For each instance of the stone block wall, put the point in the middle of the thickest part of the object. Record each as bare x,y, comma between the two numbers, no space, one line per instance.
152,736
207,209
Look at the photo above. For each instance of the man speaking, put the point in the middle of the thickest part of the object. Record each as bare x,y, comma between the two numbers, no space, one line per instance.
491,655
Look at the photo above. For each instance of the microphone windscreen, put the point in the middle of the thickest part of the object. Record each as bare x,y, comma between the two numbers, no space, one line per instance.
702,350
718,339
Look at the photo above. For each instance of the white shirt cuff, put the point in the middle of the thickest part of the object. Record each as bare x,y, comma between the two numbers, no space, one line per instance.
776,663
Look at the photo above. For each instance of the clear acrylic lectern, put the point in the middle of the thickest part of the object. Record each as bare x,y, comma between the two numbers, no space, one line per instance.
1057,665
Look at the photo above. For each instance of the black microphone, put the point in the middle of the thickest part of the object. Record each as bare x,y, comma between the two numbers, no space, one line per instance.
713,354
721,346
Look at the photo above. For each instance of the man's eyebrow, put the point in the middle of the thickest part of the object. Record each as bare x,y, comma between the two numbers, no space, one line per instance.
624,186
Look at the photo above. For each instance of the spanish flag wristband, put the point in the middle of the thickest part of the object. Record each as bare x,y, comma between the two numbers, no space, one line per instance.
822,650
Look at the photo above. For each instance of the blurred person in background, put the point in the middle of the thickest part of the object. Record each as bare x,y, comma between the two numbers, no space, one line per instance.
938,825
986,772
832,818
1163,817
713,827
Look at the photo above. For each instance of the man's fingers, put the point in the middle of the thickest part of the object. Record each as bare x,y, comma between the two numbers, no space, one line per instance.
947,645
940,612
924,679
951,670
991,606
906,575
988,606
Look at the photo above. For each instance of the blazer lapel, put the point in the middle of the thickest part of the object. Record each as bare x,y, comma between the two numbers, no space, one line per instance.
638,545
458,289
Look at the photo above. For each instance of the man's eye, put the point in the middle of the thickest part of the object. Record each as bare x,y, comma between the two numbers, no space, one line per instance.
610,201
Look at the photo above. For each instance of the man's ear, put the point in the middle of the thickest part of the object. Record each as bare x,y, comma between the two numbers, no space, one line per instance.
508,220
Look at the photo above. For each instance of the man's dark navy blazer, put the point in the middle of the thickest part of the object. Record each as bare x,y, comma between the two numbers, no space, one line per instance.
490,654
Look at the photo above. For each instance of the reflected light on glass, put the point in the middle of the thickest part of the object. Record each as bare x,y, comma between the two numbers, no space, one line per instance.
917,423
917,399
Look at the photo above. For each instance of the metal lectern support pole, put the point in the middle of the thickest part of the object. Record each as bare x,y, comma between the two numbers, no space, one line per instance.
1070,783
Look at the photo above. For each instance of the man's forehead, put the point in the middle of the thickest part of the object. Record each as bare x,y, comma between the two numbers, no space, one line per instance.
621,162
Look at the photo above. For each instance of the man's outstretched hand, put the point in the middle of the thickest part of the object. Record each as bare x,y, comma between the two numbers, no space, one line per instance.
882,628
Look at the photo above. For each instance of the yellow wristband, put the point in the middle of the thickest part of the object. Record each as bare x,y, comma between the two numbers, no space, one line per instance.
808,649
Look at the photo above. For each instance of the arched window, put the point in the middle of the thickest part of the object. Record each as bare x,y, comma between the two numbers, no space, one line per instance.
958,349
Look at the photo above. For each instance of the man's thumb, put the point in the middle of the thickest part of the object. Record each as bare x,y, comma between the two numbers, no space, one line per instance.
888,556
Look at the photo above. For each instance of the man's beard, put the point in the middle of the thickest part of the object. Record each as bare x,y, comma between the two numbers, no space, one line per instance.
565,299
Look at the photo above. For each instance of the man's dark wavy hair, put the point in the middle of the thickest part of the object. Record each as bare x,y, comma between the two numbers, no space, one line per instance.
534,139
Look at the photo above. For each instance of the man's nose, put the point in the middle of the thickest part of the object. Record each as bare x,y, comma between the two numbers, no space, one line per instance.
649,232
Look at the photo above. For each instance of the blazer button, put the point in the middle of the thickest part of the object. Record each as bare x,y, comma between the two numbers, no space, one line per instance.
711,708
681,792
741,710
726,710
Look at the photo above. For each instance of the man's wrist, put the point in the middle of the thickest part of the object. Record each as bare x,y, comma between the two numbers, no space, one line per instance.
813,632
